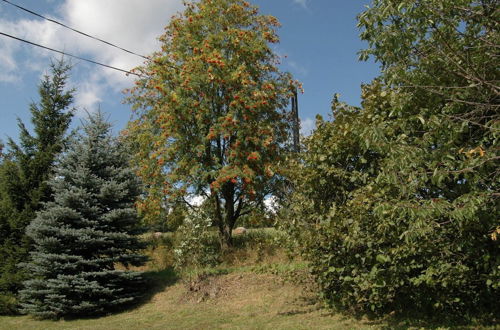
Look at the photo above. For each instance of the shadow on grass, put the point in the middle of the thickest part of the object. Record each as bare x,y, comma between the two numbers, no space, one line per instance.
155,282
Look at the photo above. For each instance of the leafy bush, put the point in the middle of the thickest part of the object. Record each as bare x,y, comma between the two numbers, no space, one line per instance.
168,219
395,203
196,245
380,234
257,219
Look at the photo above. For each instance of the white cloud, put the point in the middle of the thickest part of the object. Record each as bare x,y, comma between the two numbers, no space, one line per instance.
196,200
87,98
302,3
307,125
7,64
8,48
131,24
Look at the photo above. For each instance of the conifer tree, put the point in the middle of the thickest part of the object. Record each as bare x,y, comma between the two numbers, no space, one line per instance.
24,170
86,231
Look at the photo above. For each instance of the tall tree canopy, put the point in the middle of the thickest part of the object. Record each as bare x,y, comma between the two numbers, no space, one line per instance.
210,108
26,166
87,231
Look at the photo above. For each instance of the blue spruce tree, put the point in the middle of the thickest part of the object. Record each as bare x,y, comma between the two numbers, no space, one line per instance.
89,229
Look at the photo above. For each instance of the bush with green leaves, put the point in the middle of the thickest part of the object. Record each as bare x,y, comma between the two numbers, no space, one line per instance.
171,217
196,245
257,218
377,247
396,202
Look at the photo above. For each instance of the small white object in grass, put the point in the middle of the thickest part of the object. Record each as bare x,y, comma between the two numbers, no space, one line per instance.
240,231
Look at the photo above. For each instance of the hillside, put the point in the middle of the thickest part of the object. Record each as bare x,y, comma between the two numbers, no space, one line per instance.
238,300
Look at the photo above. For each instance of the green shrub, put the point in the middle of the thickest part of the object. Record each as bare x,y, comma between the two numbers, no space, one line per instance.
258,218
8,304
168,219
396,202
253,237
379,233
196,246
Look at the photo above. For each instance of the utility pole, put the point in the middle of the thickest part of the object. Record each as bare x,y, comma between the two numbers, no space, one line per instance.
296,122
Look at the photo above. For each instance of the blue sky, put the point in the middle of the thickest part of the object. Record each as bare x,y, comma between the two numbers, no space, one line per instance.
319,37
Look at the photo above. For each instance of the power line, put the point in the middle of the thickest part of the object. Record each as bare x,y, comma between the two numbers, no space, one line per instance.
70,55
75,30
89,36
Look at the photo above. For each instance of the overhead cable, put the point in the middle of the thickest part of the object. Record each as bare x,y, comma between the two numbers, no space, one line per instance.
87,35
70,55
72,29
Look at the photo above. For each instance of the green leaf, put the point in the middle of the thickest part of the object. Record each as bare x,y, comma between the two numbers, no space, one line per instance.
382,258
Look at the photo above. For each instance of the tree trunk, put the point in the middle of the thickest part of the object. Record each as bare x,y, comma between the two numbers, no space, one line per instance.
226,237
225,226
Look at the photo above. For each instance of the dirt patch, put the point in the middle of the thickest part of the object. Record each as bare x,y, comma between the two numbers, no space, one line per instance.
267,294
219,288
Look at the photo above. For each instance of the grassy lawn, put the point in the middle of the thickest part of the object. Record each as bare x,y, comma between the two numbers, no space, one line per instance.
256,287
237,300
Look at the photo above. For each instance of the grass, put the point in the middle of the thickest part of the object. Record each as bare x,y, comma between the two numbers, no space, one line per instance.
257,286
238,300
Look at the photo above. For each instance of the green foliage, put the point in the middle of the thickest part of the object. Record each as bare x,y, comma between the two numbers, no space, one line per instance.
88,230
195,247
8,304
24,171
257,218
395,203
170,220
211,111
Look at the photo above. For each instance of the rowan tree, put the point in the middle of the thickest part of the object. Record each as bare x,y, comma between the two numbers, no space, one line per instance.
210,106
